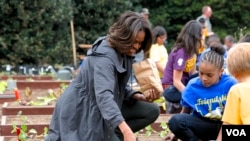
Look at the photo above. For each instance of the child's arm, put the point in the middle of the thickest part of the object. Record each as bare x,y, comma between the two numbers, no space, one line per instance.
194,70
219,137
185,110
177,75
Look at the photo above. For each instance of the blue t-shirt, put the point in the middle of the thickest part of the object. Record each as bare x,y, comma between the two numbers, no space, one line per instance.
207,102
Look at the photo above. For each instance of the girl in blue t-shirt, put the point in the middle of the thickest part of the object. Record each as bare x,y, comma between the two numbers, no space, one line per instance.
203,100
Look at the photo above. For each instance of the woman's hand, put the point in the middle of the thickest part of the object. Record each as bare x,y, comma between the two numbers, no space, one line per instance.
128,134
151,95
170,137
139,96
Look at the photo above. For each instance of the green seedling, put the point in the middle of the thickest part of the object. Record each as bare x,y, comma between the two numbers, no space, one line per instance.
3,86
41,101
63,86
23,133
165,130
149,130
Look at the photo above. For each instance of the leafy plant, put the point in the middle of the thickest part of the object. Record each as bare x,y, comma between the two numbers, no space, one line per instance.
162,134
39,101
28,94
149,130
46,100
3,85
165,130
63,86
27,99
23,133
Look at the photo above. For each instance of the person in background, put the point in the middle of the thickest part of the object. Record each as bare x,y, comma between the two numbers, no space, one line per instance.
213,39
203,100
236,111
82,52
206,14
158,52
181,64
229,42
145,13
245,38
203,39
98,105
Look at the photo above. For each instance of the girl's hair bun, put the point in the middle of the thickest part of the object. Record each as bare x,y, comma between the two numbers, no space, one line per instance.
218,48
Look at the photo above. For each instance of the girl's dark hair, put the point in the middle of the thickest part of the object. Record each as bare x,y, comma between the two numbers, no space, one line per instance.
122,34
157,32
215,56
190,37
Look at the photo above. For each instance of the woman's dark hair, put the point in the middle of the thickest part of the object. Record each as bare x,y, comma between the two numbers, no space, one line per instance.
157,32
190,37
122,34
215,56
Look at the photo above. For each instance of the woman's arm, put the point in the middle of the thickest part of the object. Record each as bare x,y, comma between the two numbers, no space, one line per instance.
104,87
127,132
177,80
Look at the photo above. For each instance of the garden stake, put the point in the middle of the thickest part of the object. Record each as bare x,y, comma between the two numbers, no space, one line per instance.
17,94
18,131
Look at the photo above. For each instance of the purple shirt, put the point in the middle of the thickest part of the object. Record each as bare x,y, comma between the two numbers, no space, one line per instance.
178,60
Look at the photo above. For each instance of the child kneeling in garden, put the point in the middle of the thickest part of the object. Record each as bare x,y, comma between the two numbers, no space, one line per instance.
237,108
203,100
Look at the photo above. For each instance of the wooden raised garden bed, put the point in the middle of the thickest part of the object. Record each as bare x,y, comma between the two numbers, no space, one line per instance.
152,137
7,98
14,138
37,122
163,118
26,77
40,84
12,108
38,102
156,131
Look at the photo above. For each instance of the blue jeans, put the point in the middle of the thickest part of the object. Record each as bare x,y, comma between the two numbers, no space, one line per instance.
191,128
